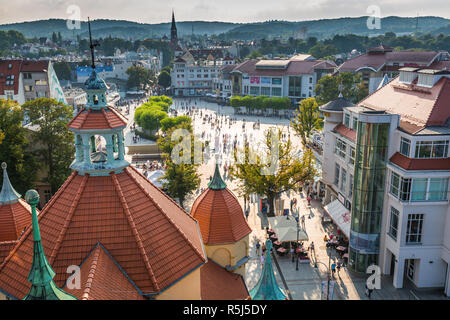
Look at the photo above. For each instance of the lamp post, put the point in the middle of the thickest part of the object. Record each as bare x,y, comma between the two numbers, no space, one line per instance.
328,272
298,230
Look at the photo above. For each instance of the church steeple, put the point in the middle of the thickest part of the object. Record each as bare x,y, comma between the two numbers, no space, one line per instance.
217,182
41,274
173,32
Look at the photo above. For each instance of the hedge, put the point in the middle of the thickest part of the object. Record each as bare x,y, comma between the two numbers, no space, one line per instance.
261,102
150,114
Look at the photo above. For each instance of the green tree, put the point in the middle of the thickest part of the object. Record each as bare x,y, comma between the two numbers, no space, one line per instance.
307,119
63,71
351,86
164,79
288,172
181,178
139,77
15,147
53,141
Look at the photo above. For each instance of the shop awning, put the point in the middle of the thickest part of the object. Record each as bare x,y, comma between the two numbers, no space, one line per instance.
286,229
340,215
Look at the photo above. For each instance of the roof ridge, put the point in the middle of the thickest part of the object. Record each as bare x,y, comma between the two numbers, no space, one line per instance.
73,119
120,115
165,215
69,216
446,81
135,233
106,117
41,214
93,268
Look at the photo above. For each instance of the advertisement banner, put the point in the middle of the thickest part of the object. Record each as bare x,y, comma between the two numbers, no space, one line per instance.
254,80
266,80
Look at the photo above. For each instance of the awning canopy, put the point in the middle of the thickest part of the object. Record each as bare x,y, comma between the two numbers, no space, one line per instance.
340,215
286,229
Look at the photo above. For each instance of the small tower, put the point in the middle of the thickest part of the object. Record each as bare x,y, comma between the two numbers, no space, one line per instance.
41,274
225,231
98,129
173,32
267,287
14,212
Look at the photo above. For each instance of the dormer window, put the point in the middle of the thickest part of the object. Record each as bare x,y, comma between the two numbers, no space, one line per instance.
426,80
95,99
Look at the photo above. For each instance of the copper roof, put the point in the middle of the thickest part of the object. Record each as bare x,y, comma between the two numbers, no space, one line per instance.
97,119
153,240
220,217
219,284
102,279
420,164
14,218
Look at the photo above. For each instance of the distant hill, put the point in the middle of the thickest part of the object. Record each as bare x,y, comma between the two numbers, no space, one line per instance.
324,28
329,27
116,28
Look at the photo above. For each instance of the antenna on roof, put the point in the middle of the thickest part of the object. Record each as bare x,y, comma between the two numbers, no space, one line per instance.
92,45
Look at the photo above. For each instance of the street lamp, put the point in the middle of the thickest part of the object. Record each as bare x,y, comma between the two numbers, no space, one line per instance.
328,271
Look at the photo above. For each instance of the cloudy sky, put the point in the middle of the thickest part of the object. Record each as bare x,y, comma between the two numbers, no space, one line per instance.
155,11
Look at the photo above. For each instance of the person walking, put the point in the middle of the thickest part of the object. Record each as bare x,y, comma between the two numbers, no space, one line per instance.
303,221
292,253
311,247
258,246
247,212
262,260
338,267
333,269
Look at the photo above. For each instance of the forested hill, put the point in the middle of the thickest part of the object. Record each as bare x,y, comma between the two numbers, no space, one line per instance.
117,28
321,29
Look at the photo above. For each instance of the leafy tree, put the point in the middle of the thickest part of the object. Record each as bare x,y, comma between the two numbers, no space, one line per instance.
139,77
288,174
244,52
54,143
255,54
149,117
63,71
329,87
181,178
307,119
14,147
164,79
169,123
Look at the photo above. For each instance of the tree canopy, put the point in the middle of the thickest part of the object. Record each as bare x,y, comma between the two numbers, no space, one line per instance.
261,102
139,77
307,119
329,87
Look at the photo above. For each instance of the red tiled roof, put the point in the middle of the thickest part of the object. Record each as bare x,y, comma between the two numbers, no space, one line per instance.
101,279
376,61
219,284
295,67
220,217
153,240
420,164
14,218
5,249
346,132
35,66
97,119
5,71
417,106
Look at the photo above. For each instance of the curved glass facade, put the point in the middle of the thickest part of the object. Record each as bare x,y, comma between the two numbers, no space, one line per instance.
368,194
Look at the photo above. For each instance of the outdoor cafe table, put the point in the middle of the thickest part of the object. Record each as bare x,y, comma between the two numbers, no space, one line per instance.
345,255
277,243
300,250
281,250
274,236
334,241
341,248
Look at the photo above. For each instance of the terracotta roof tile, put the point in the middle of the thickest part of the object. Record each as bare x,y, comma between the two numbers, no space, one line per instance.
5,249
97,119
14,218
153,240
346,132
102,279
220,217
219,284
420,164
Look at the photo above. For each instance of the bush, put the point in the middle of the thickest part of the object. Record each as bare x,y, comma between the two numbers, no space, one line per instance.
150,114
168,123
261,102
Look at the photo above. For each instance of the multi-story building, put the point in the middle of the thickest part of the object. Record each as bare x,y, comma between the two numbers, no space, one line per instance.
387,170
294,78
25,80
383,61
196,78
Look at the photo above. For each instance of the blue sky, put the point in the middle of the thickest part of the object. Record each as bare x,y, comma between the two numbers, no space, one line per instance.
155,11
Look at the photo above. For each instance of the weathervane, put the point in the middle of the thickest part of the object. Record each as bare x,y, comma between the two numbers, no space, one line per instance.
92,45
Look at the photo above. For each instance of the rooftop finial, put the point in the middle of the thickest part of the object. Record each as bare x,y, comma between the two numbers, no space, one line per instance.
92,45
8,194
217,182
41,274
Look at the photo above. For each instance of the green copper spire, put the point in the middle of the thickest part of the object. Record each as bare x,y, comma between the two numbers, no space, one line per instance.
216,182
267,287
41,274
8,195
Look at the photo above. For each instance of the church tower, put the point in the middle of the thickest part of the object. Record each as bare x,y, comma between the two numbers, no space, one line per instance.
173,32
